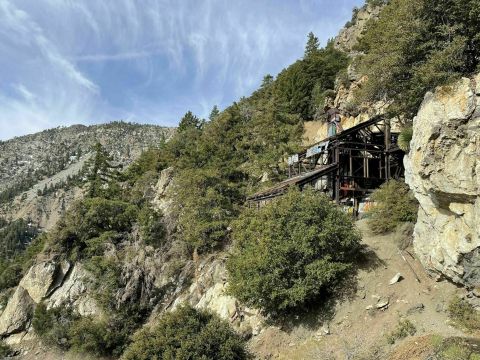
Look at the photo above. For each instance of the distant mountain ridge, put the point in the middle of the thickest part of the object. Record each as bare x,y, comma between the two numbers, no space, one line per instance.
26,160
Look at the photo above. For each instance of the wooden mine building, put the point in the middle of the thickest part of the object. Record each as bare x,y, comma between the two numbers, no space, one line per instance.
346,166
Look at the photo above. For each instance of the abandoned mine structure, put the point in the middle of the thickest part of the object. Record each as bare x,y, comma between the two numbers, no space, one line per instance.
347,166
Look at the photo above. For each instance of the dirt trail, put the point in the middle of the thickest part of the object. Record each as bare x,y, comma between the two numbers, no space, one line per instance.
354,331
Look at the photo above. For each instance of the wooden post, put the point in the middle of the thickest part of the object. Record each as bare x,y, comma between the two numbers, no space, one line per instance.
351,163
387,148
337,180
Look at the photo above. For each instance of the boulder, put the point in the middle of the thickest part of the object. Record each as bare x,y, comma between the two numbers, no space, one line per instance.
43,278
443,170
17,314
73,293
218,302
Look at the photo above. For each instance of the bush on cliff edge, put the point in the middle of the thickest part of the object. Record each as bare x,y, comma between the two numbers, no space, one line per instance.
291,252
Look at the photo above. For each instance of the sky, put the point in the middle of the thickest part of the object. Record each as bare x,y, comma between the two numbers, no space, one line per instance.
65,62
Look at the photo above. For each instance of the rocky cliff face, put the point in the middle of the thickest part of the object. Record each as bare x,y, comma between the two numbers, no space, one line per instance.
443,169
348,37
346,86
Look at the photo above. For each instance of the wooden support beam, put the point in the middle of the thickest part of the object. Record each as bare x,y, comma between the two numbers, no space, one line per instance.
337,178
387,149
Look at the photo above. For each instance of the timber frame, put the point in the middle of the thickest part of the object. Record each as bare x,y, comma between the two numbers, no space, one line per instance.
348,165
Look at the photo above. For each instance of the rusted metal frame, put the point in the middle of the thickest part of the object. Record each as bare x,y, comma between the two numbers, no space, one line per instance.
352,130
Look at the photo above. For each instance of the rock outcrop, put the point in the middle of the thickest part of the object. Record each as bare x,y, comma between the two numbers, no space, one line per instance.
443,170
73,292
208,291
17,313
43,278
351,33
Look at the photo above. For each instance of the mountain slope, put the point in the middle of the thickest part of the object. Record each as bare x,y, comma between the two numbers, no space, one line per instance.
35,170
28,159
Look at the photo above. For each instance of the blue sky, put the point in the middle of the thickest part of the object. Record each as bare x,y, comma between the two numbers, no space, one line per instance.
66,62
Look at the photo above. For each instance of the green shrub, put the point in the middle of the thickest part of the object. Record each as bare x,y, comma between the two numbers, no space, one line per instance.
53,325
187,334
87,335
464,314
89,219
152,226
455,352
11,274
404,138
403,329
290,252
204,207
4,297
394,204
67,330
106,273
457,349
11,271
96,246
15,238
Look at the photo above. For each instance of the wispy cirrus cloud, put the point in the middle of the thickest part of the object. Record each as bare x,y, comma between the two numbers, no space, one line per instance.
64,62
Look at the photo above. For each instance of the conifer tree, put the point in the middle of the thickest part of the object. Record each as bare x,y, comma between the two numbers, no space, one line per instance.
101,172
189,121
312,45
214,113
267,81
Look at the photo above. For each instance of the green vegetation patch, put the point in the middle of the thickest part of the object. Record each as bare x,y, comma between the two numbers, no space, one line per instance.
63,328
457,349
394,204
187,333
464,314
92,218
415,46
403,329
291,252
12,270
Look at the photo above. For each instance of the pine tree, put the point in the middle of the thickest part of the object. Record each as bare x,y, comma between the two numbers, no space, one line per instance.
189,121
312,45
267,81
214,113
101,172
